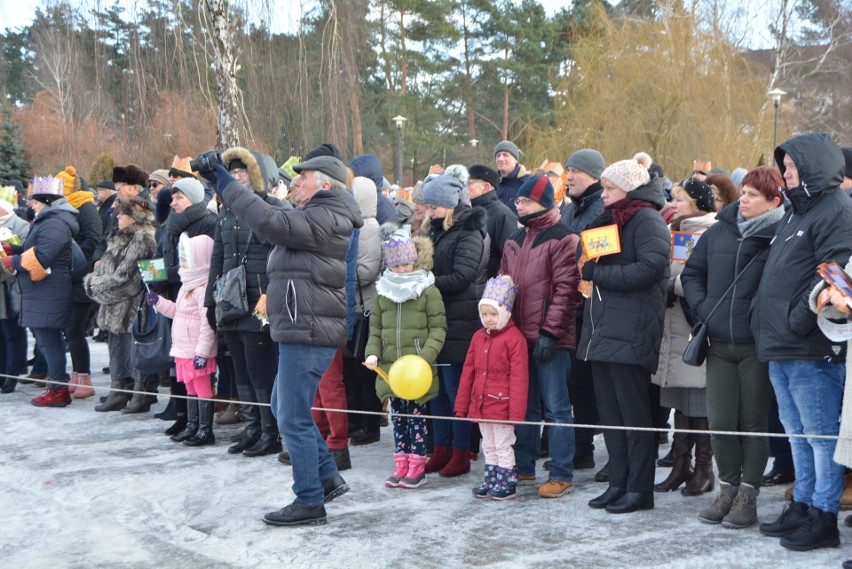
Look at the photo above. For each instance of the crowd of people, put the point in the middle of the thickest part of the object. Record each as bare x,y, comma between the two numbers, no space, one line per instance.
489,274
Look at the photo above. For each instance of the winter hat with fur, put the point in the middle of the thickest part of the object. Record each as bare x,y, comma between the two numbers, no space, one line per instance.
484,173
442,190
70,179
191,188
460,172
137,208
499,294
627,175
130,174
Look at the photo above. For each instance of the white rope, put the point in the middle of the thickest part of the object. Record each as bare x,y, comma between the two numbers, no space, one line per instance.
445,418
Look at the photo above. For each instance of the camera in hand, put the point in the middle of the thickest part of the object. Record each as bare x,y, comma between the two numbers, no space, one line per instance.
204,162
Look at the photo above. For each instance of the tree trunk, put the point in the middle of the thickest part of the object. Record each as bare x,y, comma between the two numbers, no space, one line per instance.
404,69
471,115
225,53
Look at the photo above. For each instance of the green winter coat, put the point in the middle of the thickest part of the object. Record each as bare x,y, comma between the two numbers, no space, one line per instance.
416,326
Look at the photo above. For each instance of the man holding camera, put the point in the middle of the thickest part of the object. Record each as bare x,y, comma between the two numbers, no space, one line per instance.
306,305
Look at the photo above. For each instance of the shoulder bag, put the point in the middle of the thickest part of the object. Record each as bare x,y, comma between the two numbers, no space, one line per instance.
696,349
151,340
357,344
229,292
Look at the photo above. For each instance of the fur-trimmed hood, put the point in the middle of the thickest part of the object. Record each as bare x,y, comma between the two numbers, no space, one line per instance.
472,219
425,253
139,209
262,170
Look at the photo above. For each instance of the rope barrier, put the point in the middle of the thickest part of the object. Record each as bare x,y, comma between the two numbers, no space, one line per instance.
446,418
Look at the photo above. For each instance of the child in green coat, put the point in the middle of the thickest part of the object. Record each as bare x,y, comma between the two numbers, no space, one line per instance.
408,318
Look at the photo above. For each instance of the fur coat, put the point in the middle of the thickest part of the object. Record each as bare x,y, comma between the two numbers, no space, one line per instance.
115,283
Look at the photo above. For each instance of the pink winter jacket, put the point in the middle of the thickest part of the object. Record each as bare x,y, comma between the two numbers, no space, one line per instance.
191,334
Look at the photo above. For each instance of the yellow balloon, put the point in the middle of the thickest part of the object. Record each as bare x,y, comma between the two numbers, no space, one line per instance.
410,377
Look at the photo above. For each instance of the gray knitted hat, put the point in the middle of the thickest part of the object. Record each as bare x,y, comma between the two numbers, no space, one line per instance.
442,190
191,188
589,161
508,146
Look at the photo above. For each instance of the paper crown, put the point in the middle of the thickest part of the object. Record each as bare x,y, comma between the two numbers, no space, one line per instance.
501,291
399,249
50,186
8,194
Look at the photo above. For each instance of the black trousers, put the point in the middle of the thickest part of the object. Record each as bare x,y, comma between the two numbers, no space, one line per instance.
253,355
581,389
622,395
75,335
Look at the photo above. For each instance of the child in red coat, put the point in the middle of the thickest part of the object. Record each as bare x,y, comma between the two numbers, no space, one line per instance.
494,387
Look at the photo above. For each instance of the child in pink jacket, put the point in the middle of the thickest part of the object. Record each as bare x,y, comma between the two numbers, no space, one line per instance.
193,340
493,386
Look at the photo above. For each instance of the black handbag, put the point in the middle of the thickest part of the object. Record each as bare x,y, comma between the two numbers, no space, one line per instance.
230,293
13,297
696,349
151,340
356,346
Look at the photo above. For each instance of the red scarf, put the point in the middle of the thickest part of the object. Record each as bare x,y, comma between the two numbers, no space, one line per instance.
623,211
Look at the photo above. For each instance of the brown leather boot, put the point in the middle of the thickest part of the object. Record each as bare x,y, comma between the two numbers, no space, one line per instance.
703,480
682,454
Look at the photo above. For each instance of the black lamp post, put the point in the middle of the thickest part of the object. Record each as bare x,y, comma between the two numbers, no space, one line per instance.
776,95
399,120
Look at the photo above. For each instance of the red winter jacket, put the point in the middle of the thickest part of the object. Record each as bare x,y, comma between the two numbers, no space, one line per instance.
495,376
542,260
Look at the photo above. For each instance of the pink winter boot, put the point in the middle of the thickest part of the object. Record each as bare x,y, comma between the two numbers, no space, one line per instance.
401,460
72,385
416,475
84,386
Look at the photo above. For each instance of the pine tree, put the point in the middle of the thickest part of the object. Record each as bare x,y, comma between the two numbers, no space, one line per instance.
13,162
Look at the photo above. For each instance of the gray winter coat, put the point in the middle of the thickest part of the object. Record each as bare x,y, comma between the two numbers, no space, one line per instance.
370,260
306,301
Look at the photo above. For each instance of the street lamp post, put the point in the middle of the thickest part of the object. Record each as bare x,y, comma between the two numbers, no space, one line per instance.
399,120
775,95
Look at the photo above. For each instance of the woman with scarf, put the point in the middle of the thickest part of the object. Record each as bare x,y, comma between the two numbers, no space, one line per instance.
626,306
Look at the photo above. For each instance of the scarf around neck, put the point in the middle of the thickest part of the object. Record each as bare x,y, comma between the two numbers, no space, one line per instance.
193,278
400,287
752,226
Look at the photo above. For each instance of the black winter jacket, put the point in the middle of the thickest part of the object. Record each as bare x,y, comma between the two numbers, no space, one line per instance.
507,188
720,255
306,302
88,238
584,209
623,318
502,223
47,303
816,229
194,221
458,252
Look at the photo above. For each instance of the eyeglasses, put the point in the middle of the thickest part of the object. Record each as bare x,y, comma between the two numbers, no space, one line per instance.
523,201
238,172
154,185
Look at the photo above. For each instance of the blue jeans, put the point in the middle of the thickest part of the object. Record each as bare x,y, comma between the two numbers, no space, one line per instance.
548,385
809,395
449,433
52,347
300,367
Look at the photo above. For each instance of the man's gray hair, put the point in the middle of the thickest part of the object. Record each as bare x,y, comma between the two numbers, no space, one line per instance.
326,179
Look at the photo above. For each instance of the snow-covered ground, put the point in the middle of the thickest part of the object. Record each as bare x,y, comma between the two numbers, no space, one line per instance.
85,489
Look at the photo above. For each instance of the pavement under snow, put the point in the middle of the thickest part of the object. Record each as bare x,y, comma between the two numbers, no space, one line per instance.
85,489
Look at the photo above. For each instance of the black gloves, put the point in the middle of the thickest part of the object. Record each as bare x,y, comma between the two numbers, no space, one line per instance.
211,316
588,271
544,349
219,176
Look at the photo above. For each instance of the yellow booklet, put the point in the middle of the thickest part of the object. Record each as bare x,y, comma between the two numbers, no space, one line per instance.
601,241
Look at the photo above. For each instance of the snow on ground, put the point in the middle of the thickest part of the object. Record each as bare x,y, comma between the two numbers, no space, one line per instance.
89,490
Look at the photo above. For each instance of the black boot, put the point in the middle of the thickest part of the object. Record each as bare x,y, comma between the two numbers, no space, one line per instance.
820,530
269,441
251,414
611,495
703,480
178,426
8,386
631,502
794,515
668,460
682,454
191,421
204,436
